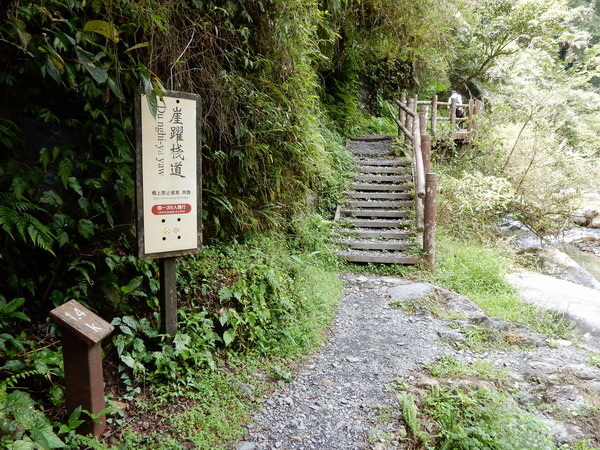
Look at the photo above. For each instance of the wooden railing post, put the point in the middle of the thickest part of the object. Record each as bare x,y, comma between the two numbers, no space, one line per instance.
409,119
430,218
401,114
452,112
419,172
426,151
423,119
470,116
434,113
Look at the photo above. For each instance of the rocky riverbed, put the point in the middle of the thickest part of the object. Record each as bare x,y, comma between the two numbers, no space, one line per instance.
385,332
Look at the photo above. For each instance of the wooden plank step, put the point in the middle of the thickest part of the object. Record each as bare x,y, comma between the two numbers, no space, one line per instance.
379,204
366,223
382,169
375,245
380,187
392,161
372,138
376,234
371,152
375,213
383,178
380,195
358,257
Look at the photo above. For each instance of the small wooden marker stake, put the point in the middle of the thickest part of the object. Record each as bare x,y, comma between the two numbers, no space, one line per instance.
83,332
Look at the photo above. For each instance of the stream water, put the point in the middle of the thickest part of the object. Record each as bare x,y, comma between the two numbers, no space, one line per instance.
527,239
587,260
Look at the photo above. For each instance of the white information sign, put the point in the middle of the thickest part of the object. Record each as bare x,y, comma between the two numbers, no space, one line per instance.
168,211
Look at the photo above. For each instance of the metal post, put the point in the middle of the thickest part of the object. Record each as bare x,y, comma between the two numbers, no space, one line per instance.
430,218
168,296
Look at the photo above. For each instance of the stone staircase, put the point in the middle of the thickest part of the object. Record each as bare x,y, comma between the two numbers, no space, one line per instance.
376,219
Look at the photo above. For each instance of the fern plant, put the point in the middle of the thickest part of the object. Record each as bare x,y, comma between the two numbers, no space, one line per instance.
21,424
19,223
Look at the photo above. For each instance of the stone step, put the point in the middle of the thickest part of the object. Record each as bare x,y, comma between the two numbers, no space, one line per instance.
381,187
358,256
376,234
383,169
376,213
380,195
368,244
389,161
373,223
374,178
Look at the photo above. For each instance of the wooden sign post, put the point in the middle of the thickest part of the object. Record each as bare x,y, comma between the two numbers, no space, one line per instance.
83,332
169,189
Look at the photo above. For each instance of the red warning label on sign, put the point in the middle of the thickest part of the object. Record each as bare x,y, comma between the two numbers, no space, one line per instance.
181,208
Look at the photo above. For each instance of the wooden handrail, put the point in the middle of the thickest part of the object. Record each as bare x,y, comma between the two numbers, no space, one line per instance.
405,108
404,130
408,110
418,158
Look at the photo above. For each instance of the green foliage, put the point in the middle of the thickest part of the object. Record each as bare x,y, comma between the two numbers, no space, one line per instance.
473,203
448,366
260,296
482,419
22,424
496,28
411,418
477,270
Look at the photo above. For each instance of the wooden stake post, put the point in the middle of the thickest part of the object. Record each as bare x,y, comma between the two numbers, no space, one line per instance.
83,332
430,218
169,189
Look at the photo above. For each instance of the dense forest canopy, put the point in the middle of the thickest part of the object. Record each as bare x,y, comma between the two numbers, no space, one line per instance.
283,83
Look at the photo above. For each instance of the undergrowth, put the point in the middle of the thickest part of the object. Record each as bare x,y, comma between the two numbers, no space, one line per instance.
478,271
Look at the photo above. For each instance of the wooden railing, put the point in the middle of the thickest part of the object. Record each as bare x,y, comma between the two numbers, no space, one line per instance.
413,127
432,112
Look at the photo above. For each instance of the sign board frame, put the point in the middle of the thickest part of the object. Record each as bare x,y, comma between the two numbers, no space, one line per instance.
143,208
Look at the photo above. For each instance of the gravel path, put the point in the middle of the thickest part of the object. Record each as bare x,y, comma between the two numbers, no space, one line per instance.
330,401
336,394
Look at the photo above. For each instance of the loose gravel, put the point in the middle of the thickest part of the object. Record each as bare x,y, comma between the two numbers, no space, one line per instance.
337,394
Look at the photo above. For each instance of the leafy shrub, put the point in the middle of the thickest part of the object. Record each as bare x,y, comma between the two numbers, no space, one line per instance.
473,202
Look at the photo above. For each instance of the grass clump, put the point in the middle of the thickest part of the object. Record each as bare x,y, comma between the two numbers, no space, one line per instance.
478,271
482,419
448,366
464,406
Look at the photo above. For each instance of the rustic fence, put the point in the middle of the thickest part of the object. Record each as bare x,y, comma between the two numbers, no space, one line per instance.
432,112
418,123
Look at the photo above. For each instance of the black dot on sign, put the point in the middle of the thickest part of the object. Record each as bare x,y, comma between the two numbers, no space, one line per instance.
176,101
179,219
178,237
163,221
164,238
